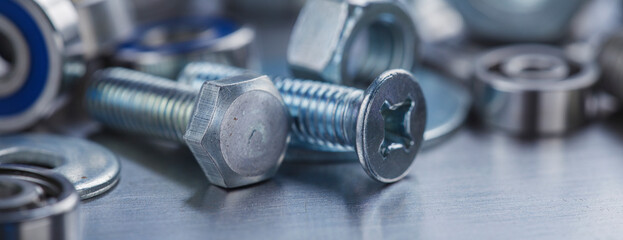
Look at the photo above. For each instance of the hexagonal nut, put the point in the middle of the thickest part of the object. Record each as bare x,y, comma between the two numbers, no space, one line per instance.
352,43
239,130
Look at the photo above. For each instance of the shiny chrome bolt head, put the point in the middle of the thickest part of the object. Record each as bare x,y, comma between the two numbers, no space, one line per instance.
239,130
390,126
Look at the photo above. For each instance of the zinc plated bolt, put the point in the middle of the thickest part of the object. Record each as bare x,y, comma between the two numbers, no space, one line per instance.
237,128
384,124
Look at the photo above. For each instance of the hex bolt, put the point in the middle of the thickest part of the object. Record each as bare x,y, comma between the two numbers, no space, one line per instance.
237,128
384,124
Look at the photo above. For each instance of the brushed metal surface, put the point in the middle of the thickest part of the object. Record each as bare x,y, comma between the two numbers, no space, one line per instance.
478,184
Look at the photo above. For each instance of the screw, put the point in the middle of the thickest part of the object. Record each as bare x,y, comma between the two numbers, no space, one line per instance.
385,124
237,128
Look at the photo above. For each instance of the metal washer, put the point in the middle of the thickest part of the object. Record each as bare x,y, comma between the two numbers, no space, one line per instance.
164,48
91,168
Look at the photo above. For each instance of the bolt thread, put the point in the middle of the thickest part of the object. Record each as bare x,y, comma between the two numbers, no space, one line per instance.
324,115
137,102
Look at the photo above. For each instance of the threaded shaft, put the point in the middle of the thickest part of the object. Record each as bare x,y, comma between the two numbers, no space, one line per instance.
138,102
325,115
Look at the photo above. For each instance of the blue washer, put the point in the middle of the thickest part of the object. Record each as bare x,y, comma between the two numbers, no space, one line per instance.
221,26
39,70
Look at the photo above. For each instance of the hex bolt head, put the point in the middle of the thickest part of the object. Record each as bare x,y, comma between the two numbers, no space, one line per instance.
237,128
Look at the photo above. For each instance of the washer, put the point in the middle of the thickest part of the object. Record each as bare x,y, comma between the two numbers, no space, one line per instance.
518,20
37,204
165,47
448,102
33,38
533,90
92,169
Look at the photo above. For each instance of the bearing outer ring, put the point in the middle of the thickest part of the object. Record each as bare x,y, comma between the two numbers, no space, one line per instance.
533,106
42,24
55,215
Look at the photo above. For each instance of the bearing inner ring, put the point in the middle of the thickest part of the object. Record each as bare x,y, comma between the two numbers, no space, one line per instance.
535,67
17,194
14,58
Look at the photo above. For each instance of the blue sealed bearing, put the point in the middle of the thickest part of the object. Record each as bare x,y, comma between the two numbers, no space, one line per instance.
33,57
163,48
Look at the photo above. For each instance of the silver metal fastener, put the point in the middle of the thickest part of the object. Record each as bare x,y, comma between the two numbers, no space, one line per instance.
352,42
92,169
534,90
610,60
237,128
385,124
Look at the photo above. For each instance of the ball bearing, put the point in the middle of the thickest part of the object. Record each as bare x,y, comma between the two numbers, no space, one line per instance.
34,41
37,204
533,89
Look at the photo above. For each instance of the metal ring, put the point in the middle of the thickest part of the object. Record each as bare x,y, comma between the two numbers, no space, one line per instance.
37,204
610,60
164,48
48,28
517,21
533,101
91,168
17,57
536,66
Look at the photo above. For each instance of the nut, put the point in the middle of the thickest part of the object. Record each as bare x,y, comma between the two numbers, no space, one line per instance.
239,130
331,37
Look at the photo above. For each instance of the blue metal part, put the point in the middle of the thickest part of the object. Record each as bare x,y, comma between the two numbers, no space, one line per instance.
39,65
221,27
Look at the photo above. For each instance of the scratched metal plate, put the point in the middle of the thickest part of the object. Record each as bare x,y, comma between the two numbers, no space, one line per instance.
478,185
